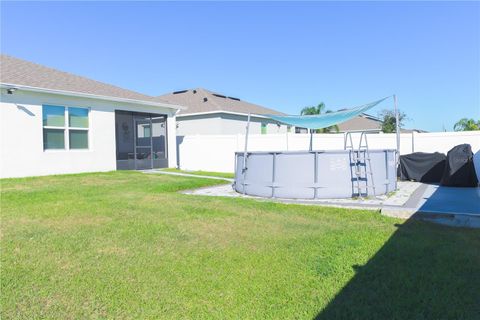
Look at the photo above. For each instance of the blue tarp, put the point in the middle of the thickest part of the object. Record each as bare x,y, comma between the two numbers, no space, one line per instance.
324,120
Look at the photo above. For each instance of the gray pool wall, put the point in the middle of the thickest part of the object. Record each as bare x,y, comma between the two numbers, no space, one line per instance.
314,174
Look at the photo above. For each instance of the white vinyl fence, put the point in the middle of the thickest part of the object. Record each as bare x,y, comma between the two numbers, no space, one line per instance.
216,152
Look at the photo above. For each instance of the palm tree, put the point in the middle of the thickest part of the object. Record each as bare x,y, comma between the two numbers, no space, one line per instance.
467,125
310,111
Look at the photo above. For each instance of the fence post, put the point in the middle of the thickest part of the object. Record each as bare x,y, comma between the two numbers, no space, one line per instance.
413,141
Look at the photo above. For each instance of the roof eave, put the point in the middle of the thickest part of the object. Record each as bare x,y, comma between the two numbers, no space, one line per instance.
4,85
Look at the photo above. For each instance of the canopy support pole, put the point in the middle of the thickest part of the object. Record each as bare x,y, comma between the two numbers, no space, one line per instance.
311,139
244,169
397,128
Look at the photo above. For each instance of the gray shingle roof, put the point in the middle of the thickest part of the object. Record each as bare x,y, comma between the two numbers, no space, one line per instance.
21,72
202,100
366,122
360,123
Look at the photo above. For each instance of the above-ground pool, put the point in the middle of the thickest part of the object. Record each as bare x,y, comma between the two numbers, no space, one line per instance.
316,174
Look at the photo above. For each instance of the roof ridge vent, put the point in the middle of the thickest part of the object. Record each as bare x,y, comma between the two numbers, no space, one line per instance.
233,98
178,92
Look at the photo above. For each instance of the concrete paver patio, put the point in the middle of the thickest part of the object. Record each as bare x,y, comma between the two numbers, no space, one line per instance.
398,198
446,205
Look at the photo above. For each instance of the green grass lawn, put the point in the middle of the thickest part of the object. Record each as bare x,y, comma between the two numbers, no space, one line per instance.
127,245
203,173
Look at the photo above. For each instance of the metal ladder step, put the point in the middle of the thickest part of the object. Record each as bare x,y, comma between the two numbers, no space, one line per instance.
360,158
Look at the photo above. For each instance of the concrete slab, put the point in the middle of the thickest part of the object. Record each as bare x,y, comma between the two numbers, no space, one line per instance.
452,220
449,200
457,207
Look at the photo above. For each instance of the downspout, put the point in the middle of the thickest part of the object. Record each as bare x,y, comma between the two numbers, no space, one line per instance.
177,146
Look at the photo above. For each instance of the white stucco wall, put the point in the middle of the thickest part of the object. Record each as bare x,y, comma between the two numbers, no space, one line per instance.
222,123
21,135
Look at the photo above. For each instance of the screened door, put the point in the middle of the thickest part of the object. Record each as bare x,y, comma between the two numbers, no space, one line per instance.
141,140
159,142
143,145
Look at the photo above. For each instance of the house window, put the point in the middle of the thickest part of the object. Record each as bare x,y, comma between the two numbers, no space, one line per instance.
78,128
300,130
53,127
146,131
289,129
264,128
65,128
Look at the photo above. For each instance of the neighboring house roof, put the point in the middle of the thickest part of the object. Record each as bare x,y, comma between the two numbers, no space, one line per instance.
201,101
362,122
368,122
14,71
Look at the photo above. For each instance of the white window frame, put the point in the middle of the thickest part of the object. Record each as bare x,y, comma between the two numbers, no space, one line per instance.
66,129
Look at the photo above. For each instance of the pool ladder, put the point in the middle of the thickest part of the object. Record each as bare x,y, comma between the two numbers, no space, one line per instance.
359,162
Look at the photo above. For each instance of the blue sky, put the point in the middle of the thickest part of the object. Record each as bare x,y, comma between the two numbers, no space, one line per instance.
278,54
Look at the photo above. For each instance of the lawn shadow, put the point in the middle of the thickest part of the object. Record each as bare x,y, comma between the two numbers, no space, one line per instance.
424,271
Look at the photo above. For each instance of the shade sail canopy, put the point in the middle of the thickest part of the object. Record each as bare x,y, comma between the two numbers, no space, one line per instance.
324,120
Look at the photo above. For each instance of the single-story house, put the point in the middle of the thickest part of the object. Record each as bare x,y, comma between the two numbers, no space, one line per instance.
368,122
359,123
54,122
363,122
210,113
213,113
